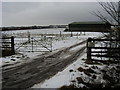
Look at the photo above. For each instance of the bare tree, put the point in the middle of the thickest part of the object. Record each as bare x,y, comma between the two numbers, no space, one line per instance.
113,16
112,10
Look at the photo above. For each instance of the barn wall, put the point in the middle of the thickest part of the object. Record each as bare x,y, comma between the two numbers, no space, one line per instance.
89,27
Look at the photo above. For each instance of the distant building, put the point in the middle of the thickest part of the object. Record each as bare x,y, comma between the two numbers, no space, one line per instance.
89,26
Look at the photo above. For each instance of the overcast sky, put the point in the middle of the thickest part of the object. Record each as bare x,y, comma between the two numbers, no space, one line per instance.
47,13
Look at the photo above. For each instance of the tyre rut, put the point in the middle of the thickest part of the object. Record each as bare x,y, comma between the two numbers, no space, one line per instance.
39,69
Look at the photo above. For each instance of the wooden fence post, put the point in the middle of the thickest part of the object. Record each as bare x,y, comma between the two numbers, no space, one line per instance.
88,49
51,44
28,37
71,33
60,34
12,45
32,43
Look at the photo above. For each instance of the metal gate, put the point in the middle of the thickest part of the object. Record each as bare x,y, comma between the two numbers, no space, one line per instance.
33,44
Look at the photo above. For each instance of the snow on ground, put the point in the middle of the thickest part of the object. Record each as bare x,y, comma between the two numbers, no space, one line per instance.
70,73
21,57
83,73
62,78
36,31
79,73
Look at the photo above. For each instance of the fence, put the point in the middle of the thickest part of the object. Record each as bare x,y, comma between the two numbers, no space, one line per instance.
37,42
7,46
109,49
33,44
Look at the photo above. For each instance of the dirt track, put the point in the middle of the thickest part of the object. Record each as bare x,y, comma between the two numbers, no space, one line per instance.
26,75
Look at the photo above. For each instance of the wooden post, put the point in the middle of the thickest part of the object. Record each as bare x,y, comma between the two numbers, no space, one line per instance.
32,43
51,44
84,33
12,45
60,33
88,49
71,33
28,37
77,35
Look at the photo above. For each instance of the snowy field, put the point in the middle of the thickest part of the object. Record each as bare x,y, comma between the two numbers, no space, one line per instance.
80,73
64,41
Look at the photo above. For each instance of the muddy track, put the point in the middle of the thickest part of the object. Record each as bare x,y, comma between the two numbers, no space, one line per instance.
26,75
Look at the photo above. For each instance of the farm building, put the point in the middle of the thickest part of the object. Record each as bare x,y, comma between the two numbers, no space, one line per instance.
89,26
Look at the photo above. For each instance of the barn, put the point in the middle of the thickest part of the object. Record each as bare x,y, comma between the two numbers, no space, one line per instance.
91,26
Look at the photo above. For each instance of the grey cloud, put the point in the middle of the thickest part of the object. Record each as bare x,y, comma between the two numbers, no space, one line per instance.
17,13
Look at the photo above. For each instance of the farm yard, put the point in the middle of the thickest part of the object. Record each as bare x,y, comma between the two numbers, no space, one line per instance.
30,43
60,45
52,58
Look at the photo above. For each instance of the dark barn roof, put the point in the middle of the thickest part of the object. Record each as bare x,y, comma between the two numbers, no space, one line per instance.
90,22
89,26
